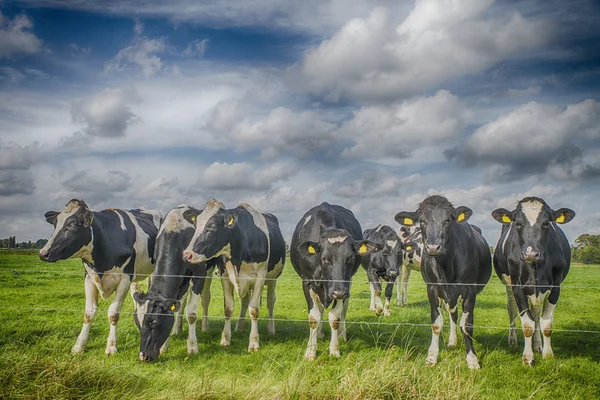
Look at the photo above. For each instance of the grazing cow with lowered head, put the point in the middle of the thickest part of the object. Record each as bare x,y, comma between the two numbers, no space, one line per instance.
117,250
383,264
532,259
456,263
411,261
325,251
172,280
254,251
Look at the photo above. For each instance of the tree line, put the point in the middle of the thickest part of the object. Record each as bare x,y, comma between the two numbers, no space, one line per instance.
11,243
586,249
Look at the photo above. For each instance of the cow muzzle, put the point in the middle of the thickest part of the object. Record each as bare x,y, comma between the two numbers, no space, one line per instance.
44,255
433,249
339,294
530,255
192,257
145,357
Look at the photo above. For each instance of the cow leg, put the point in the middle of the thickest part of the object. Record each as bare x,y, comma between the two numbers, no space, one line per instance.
403,286
114,311
372,305
437,321
453,317
192,317
315,315
375,291
342,330
389,291
512,316
91,305
334,321
527,324
178,325
271,297
229,308
241,322
466,325
546,321
254,310
205,300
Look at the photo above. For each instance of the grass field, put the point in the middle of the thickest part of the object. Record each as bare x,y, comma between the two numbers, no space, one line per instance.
378,361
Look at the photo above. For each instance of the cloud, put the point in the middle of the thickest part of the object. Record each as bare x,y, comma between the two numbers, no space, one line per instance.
533,138
15,182
13,156
78,51
196,48
376,183
93,182
107,113
16,38
378,59
394,131
11,75
242,176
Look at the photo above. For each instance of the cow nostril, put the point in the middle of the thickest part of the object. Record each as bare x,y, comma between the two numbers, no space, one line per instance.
147,358
187,256
44,254
338,294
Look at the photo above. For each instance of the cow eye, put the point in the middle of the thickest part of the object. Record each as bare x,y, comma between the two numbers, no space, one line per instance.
520,227
385,254
545,225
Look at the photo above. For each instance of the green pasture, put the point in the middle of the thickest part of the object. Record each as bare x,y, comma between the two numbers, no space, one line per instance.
41,315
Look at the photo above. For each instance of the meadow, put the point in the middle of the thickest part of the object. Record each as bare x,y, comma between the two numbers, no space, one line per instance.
41,314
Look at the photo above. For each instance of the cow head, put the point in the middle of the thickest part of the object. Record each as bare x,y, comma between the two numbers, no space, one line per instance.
212,237
72,232
154,317
435,217
336,255
532,220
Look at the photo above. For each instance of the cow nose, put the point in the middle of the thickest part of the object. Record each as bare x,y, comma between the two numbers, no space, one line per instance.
142,357
188,256
530,255
43,254
393,274
338,294
433,249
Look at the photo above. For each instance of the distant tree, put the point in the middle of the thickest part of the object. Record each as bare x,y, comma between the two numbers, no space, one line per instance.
40,243
587,249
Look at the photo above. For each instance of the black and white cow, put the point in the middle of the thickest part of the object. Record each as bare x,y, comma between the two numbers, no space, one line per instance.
411,261
254,249
325,251
383,264
117,250
456,263
172,280
532,259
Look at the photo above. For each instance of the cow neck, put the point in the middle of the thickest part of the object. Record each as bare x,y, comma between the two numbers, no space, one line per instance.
101,263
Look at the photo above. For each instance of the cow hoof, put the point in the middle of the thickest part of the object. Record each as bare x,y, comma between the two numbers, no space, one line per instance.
451,346
253,347
111,350
225,342
204,327
192,349
386,313
372,309
528,361
548,354
334,354
271,331
77,349
430,362
379,311
310,356
474,365
512,342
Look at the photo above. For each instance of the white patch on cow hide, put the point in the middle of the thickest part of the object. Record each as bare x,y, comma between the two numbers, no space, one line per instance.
121,220
212,207
378,228
391,243
143,263
156,215
261,223
174,221
339,239
532,210
307,219
141,312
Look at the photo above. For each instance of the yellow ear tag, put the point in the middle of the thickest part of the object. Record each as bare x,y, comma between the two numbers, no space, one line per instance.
408,248
173,307
230,221
461,217
311,250
408,221
363,249
193,218
506,219
561,219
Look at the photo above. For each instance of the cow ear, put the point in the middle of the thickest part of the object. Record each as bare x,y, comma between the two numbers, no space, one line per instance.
230,219
171,305
364,247
409,246
406,218
563,215
502,215
191,215
462,214
51,217
88,218
309,248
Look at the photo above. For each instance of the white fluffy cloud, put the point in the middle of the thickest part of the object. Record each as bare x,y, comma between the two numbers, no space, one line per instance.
16,38
196,48
140,54
379,58
242,176
394,131
106,113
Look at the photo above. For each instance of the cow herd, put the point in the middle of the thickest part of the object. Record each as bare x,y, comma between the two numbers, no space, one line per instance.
181,252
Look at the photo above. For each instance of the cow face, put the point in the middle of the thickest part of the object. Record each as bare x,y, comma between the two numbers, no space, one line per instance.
212,237
336,256
435,217
154,318
72,234
390,257
531,221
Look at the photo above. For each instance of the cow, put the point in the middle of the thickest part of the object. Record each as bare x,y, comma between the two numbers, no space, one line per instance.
532,259
411,261
254,251
383,264
325,252
172,280
456,263
117,250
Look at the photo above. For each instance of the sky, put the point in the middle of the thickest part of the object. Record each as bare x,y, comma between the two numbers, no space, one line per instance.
372,105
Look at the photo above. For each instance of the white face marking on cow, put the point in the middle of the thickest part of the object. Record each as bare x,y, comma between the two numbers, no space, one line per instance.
307,219
506,236
174,221
60,222
121,220
141,312
378,228
212,207
339,239
391,243
532,210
